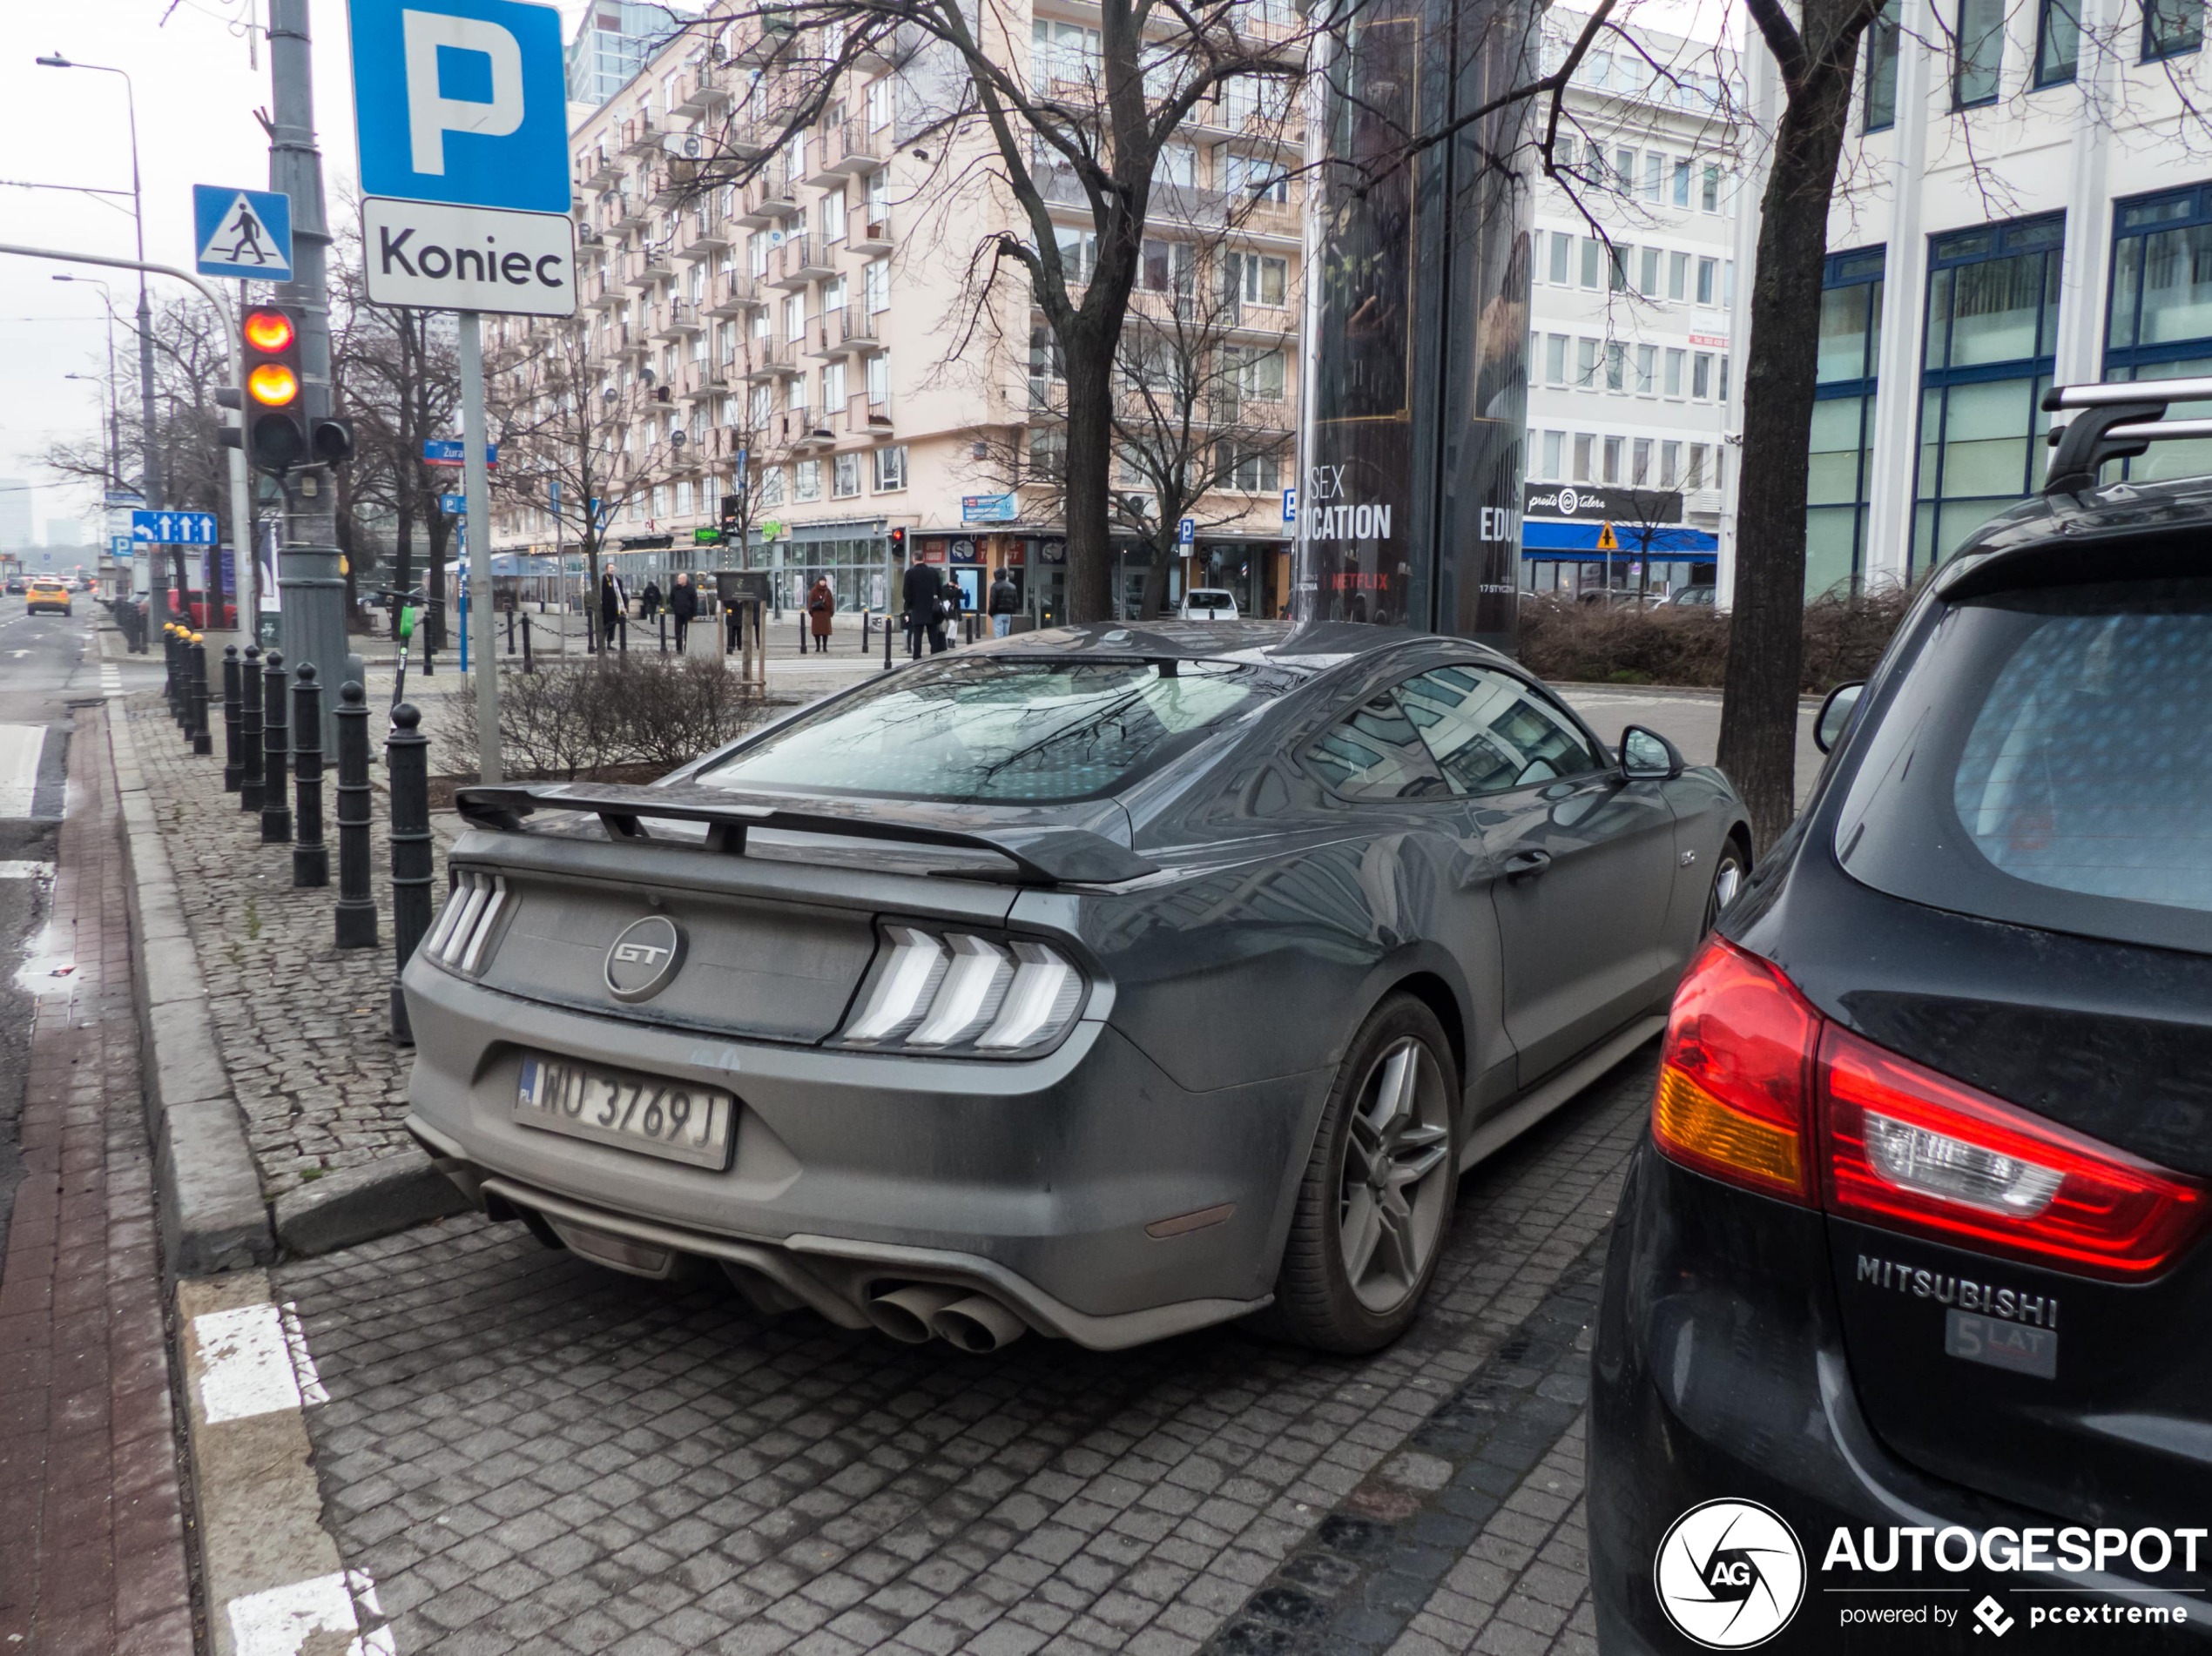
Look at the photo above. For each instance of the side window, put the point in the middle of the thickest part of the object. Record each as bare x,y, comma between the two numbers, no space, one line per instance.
1373,752
1490,731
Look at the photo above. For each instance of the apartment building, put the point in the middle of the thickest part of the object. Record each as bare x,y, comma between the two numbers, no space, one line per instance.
811,346
1634,313
2028,197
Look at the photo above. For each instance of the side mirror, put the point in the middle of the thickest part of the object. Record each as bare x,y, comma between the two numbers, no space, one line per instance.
1645,755
1835,715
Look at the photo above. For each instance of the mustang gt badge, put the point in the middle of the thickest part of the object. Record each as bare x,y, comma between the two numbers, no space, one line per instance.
645,958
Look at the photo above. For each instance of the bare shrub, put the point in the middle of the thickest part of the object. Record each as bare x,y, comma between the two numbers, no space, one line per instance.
614,712
1601,643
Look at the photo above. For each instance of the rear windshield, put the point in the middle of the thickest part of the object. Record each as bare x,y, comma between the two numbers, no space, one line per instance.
998,731
2045,762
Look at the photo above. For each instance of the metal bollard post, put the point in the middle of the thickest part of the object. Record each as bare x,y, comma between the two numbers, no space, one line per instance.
886,639
276,752
356,906
203,739
249,730
510,632
234,767
310,857
663,619
406,760
526,646
621,627
169,666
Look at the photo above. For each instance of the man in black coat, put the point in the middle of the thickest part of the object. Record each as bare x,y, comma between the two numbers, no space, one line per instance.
683,604
922,592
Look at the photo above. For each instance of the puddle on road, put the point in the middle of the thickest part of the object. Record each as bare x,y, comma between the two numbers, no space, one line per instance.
50,962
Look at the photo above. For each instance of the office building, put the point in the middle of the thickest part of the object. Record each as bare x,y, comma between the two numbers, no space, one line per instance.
614,39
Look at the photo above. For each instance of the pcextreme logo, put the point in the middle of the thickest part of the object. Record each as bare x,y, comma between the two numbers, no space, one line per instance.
1729,1574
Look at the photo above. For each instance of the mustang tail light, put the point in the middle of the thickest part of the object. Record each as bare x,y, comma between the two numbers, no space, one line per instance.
1758,1090
461,939
932,992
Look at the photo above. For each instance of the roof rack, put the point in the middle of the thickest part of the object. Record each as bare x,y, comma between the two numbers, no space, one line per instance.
2117,420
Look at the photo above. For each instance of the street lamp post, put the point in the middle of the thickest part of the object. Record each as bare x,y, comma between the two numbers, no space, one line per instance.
114,413
152,484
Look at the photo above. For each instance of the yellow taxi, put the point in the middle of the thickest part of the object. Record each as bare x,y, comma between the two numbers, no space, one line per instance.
47,592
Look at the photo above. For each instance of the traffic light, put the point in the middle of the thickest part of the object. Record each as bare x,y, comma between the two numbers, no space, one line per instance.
732,505
275,415
898,543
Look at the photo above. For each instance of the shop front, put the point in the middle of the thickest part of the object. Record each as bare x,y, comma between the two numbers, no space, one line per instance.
1586,538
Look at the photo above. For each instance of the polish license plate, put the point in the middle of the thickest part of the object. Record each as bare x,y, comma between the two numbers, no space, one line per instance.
674,1119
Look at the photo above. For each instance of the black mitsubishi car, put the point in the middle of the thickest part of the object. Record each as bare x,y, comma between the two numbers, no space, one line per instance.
1913,1258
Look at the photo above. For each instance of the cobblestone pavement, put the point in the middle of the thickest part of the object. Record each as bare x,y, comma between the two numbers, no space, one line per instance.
92,1520
303,1026
525,1451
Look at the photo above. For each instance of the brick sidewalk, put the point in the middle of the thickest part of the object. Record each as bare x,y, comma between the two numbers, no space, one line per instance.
91,1524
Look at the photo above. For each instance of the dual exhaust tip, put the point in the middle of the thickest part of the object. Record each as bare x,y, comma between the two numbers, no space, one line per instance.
919,1311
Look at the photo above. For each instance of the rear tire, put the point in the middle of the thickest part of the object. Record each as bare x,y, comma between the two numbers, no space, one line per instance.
1375,1206
1730,873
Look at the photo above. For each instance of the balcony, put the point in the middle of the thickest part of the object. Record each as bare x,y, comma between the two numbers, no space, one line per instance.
774,39
870,236
733,293
651,264
878,419
702,89
631,341
852,149
598,167
641,134
680,320
770,197
848,332
622,212
670,183
603,290
772,359
743,140
801,260
702,234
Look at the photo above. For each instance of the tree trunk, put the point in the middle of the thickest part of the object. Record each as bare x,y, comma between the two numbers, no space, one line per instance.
1090,460
1759,743
1155,571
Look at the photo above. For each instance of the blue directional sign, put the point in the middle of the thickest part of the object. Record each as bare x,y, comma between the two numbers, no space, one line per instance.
445,451
1290,505
245,234
454,505
462,101
173,528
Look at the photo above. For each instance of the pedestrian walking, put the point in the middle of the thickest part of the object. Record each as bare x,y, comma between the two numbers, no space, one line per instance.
614,602
649,600
1004,601
821,606
922,592
683,605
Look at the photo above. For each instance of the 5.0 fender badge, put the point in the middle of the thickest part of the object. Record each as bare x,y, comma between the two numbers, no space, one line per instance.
645,958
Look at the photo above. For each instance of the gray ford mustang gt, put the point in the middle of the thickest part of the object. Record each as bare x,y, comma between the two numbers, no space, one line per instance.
1106,982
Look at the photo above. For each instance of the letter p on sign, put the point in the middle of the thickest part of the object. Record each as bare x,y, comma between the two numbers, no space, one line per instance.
463,102
430,113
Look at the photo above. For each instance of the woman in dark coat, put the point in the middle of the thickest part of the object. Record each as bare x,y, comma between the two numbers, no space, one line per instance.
821,606
611,607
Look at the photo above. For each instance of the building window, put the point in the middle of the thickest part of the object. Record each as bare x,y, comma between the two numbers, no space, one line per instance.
2171,27
1647,362
1166,267
1256,279
1649,285
1701,376
1993,319
875,282
1582,456
1840,476
1554,452
1681,183
1555,359
1677,275
1562,256
1586,362
833,215
1640,462
890,468
1981,52
878,380
1616,278
2057,42
2159,324
1592,251
845,475
1709,276
809,476
1669,464
1612,461
1880,109
1708,195
1673,382
1616,367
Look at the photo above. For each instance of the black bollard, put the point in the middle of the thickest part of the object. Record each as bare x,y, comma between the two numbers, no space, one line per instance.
203,739
621,628
526,646
407,761
169,664
886,641
664,634
310,858
276,752
249,730
510,631
233,768
356,907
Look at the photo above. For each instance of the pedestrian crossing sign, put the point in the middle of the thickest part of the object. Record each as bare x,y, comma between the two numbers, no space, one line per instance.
246,233
1607,541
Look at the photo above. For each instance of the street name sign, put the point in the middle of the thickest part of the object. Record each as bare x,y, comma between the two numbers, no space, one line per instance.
443,258
447,451
462,101
245,234
173,528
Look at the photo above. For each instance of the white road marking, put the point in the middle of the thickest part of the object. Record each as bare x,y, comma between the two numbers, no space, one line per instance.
20,747
282,1621
246,1363
303,1360
26,871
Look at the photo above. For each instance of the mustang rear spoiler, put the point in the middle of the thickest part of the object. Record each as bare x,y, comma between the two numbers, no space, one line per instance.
1039,856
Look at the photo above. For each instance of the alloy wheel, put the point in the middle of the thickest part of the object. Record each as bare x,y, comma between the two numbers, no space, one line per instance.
1396,1185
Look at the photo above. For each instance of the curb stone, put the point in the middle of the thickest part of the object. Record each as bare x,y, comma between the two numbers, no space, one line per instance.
212,1215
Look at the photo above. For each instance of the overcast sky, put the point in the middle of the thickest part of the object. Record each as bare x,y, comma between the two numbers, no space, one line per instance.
198,80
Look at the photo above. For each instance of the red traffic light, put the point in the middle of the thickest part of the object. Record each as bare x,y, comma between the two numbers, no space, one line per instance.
270,331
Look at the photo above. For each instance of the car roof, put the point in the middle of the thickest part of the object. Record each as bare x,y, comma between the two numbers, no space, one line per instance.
1303,647
2119,530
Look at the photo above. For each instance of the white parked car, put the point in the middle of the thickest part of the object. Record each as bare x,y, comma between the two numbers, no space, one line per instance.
1208,603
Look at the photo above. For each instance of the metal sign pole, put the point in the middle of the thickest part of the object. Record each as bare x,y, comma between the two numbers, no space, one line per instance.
476,485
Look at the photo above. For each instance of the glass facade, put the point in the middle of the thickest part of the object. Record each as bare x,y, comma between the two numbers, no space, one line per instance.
1409,503
1840,474
1992,316
2159,324
2057,42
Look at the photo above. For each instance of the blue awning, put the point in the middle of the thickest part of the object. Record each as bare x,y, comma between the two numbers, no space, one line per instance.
1559,539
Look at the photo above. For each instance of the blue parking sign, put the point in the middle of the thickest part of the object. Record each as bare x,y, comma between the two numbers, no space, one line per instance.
462,101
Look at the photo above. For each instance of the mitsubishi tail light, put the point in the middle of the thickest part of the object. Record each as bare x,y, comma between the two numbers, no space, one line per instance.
1757,1089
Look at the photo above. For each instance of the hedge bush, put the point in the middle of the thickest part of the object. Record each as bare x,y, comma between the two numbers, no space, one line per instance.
1561,638
615,711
